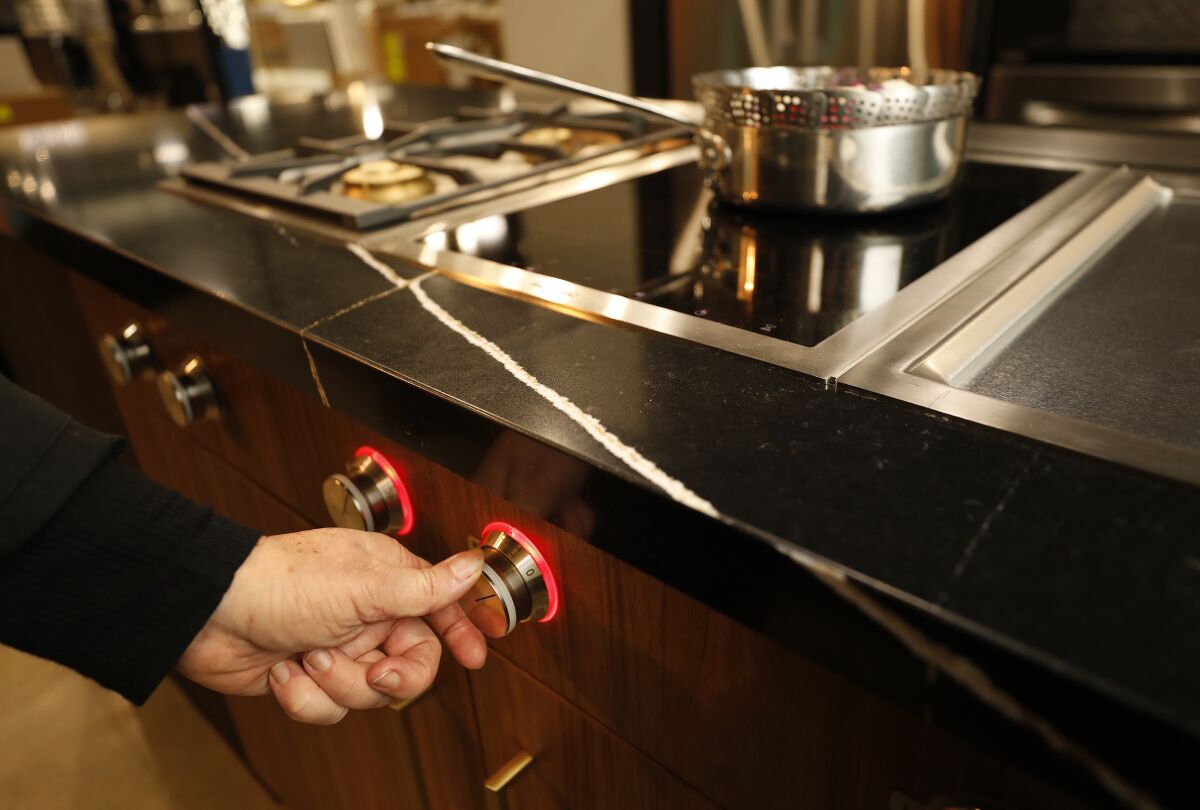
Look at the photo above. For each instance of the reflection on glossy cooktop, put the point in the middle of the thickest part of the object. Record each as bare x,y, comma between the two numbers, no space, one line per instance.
799,277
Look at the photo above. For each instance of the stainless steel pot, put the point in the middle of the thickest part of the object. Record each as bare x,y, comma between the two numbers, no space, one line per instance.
806,138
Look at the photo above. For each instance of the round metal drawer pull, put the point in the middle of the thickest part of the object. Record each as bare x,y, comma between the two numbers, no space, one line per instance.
127,356
188,394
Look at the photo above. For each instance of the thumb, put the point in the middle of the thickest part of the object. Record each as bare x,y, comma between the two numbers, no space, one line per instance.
421,591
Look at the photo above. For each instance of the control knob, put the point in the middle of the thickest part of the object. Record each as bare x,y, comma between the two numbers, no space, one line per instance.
369,496
188,394
127,355
517,584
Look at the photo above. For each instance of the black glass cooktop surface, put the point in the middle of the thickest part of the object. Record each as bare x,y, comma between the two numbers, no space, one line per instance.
800,277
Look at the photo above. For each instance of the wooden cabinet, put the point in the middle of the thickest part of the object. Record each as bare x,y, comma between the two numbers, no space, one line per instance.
634,696
249,435
44,343
577,764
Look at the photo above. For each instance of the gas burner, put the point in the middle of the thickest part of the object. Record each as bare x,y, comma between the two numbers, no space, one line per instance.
414,170
386,181
568,140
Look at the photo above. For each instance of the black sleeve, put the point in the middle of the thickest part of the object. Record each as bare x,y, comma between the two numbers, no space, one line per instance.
44,457
101,569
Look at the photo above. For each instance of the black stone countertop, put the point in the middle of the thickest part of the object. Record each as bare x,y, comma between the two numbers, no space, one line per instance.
1073,583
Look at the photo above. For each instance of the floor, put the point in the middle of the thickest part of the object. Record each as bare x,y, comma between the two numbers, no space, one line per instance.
70,744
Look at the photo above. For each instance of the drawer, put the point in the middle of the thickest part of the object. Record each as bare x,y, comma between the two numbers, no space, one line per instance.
576,763
247,435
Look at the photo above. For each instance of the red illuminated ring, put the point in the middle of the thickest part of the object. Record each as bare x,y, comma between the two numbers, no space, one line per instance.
543,566
397,481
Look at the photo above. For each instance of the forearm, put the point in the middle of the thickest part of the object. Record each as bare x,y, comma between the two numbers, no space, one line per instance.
44,458
101,569
120,580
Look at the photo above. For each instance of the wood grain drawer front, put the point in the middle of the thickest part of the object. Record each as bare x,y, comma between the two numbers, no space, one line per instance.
577,764
248,434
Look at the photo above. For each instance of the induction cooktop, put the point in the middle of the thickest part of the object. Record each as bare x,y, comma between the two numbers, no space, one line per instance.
664,240
656,250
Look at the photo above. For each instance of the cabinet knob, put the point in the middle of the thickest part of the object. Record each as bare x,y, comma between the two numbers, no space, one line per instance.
188,394
517,584
369,496
127,356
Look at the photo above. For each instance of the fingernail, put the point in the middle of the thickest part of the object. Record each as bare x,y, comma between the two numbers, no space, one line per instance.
467,564
320,660
388,680
280,673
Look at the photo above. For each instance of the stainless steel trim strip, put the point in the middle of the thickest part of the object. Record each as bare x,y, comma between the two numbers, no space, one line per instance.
1158,457
977,340
920,335
899,370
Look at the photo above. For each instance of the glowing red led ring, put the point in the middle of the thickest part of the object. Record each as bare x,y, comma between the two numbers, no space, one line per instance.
532,551
401,490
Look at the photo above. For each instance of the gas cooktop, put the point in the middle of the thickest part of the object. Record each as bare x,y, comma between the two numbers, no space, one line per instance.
412,170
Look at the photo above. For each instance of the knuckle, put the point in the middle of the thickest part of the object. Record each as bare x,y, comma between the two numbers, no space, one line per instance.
333,717
424,589
426,678
293,705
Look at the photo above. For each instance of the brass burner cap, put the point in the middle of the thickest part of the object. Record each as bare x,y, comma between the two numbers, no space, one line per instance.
386,181
381,173
546,136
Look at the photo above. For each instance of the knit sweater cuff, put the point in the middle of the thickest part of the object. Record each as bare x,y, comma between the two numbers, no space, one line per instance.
120,581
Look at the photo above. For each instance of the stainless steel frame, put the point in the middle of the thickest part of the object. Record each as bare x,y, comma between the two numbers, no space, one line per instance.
826,360
925,364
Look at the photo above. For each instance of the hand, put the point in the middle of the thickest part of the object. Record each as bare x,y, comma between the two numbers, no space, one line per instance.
330,620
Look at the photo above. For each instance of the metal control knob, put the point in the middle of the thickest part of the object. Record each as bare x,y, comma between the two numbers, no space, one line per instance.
370,496
517,584
127,355
188,394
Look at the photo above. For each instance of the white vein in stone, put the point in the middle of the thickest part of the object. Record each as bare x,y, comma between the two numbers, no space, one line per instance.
628,455
378,266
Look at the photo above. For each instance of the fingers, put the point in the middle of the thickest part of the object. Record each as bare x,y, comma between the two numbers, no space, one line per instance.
462,637
344,679
413,590
370,637
413,654
301,698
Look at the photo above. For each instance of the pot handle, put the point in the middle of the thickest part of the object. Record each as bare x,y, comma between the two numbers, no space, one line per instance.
496,69
715,153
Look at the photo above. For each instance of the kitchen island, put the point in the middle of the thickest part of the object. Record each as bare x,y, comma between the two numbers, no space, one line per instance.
778,590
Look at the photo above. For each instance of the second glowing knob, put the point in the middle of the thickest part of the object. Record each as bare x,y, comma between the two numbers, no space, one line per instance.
369,496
